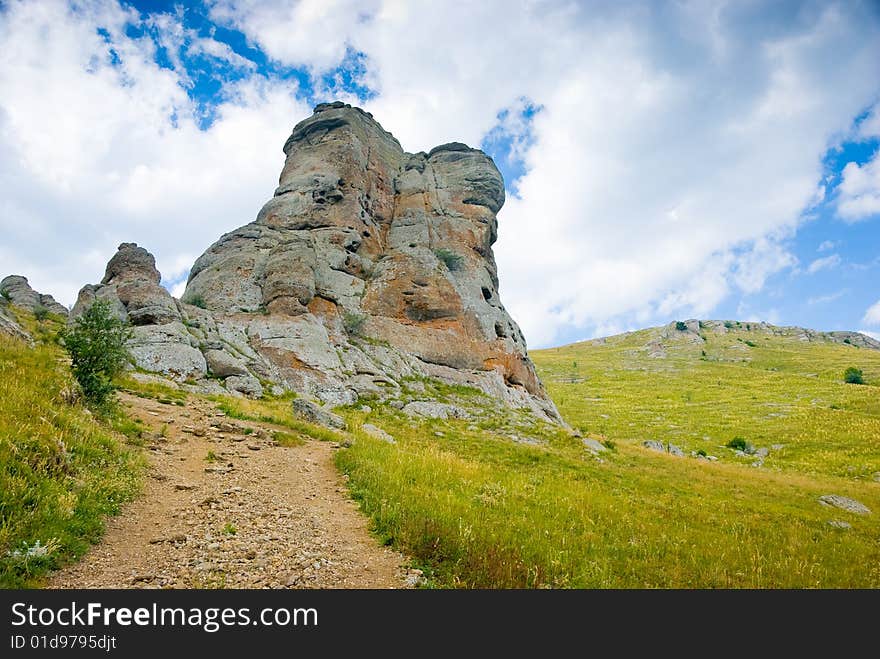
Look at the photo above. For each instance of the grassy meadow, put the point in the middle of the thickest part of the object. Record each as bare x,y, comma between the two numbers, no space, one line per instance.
61,469
501,500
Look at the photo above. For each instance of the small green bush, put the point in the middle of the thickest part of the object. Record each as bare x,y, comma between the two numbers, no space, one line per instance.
96,345
728,324
196,300
6,295
701,452
681,326
452,260
41,312
738,443
353,322
853,375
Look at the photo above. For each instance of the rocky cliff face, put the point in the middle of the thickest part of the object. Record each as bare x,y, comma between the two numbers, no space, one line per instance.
368,265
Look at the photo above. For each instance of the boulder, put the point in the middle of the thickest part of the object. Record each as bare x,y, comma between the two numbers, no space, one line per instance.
433,410
654,445
223,365
378,433
844,503
309,411
245,384
594,445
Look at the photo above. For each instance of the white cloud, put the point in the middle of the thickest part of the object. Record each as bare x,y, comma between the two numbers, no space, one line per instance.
825,299
178,289
311,33
94,153
826,246
870,126
220,51
677,146
824,263
859,190
872,315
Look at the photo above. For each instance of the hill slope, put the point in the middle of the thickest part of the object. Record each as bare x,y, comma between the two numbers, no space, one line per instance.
61,469
699,387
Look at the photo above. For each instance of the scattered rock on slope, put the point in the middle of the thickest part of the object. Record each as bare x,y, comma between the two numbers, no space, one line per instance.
9,325
844,503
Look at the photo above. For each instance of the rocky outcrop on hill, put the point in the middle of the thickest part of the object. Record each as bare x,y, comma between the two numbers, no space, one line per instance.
694,333
16,290
368,267
161,342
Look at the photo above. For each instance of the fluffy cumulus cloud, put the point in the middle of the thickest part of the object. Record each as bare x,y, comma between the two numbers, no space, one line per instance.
669,153
860,191
858,195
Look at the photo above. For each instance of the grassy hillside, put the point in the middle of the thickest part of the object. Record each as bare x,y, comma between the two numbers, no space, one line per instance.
61,470
701,387
506,502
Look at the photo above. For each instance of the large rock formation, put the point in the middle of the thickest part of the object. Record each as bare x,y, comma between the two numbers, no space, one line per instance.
368,265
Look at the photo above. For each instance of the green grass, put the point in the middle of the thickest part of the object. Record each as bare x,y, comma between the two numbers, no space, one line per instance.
61,468
156,390
783,391
475,509
288,439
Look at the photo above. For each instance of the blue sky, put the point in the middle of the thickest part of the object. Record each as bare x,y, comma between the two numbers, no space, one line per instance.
662,161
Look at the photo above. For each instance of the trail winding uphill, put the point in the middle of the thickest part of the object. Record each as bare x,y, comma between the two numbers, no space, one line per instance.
224,506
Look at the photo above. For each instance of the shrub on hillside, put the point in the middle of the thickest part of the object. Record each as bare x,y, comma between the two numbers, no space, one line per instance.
96,345
681,326
739,444
196,300
853,375
353,322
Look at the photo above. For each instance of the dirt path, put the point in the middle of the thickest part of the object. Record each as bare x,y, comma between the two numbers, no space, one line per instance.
257,516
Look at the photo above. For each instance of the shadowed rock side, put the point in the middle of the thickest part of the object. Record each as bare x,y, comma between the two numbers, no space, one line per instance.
368,265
